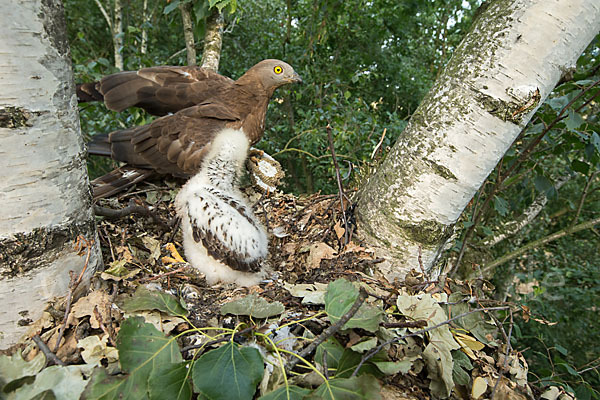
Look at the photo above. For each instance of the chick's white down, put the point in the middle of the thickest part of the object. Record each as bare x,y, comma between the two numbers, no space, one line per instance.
211,205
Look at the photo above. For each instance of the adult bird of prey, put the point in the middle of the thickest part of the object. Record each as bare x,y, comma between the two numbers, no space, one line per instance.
221,236
194,104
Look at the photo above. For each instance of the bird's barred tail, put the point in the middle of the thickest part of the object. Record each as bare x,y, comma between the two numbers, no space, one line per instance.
118,180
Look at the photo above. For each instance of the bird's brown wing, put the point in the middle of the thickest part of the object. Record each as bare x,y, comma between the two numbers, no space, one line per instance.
173,144
158,90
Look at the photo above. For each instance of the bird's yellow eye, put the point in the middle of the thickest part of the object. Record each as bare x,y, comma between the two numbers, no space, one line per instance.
278,70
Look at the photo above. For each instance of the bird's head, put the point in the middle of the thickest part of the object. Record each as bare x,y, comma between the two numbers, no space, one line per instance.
272,74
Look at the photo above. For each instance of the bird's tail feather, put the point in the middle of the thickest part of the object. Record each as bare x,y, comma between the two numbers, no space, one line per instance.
87,92
99,145
118,180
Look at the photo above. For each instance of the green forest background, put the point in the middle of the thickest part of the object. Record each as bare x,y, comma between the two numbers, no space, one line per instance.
366,67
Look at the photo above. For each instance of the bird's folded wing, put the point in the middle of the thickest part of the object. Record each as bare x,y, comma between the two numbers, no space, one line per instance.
160,90
175,144
226,228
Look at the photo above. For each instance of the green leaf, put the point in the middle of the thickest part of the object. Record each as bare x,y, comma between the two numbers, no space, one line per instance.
144,299
347,94
334,351
171,6
462,366
359,387
292,392
104,387
595,141
580,166
254,306
170,381
340,297
64,383
558,103
501,205
542,184
350,360
365,344
142,349
561,350
574,120
14,367
394,367
228,373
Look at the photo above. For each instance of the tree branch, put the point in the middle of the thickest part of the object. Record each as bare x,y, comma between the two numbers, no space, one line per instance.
540,242
331,330
513,227
105,14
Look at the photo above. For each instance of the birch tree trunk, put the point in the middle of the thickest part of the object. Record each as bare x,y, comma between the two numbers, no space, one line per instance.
116,30
145,19
213,40
117,33
502,71
188,32
45,201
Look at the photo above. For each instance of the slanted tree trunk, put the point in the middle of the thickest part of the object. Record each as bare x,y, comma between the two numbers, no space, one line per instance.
213,39
503,70
45,201
188,32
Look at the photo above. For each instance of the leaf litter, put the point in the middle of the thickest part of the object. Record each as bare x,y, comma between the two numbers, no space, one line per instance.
152,328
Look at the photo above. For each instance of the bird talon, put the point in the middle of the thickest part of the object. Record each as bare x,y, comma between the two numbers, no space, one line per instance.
175,256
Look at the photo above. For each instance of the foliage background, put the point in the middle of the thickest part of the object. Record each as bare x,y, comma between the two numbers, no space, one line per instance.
366,66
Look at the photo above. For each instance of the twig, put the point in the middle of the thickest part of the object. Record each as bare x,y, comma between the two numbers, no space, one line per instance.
329,331
339,183
50,356
583,196
73,284
104,328
378,144
420,259
175,223
217,341
377,349
506,353
132,208
153,278
406,324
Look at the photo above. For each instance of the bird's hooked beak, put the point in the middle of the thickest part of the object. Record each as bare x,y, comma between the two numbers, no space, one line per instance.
295,78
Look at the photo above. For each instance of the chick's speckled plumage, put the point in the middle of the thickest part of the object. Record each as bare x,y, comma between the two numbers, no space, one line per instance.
221,235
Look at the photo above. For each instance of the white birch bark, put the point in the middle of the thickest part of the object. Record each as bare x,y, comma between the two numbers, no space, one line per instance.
45,200
145,18
118,35
505,67
213,39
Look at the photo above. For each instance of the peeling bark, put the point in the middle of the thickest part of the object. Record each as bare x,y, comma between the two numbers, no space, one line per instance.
213,40
44,192
502,71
